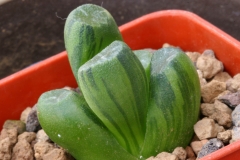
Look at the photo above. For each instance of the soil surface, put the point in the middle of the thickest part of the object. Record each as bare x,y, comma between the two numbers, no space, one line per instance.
31,31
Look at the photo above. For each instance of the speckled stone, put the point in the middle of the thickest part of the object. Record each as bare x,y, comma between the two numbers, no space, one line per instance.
32,124
211,146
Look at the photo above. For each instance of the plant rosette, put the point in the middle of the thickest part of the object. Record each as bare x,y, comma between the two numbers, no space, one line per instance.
133,104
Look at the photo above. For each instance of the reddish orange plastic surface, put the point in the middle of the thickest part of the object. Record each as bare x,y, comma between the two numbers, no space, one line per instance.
179,28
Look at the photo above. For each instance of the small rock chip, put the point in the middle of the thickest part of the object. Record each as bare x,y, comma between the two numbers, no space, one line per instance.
207,109
200,74
225,136
223,93
212,90
205,129
219,112
219,128
180,153
211,146
221,107
69,88
222,114
208,64
166,45
233,84
166,156
201,79
25,114
28,136
42,136
190,152
10,133
42,148
231,99
5,149
19,125
197,145
236,116
22,150
202,82
193,56
222,77
55,154
237,77
33,124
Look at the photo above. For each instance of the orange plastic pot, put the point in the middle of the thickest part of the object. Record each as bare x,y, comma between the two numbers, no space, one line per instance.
179,28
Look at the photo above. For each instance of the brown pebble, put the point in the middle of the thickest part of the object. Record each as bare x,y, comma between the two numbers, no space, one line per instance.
201,79
5,149
205,128
10,133
207,109
212,90
190,152
233,84
25,114
22,150
166,156
55,154
225,136
42,136
193,56
208,64
180,153
197,145
28,136
222,77
42,148
222,114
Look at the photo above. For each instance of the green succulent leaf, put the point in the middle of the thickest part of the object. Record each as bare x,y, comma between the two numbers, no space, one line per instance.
173,103
88,30
68,121
145,56
115,87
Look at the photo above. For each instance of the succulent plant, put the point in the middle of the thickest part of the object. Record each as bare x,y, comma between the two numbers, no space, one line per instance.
134,104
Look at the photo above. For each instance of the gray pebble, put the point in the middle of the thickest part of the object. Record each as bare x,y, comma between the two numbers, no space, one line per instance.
232,100
235,133
32,124
211,146
209,52
236,116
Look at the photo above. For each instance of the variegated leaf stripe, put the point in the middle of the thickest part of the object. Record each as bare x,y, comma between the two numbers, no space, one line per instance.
114,85
68,121
174,102
88,30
